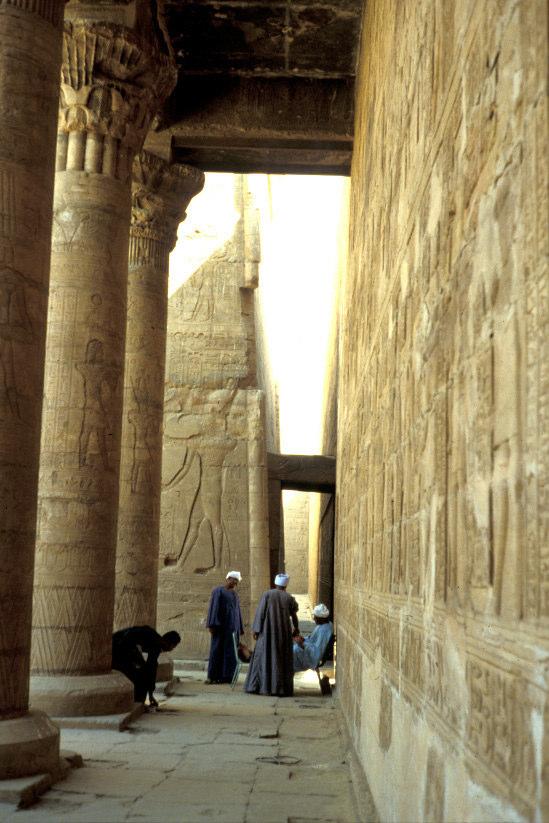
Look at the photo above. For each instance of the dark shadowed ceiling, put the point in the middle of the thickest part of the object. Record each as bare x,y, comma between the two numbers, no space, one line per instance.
263,86
289,38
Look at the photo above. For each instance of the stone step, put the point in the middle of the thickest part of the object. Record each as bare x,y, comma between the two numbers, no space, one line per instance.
190,665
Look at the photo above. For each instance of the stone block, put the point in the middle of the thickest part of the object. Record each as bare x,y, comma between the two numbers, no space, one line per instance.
88,695
28,745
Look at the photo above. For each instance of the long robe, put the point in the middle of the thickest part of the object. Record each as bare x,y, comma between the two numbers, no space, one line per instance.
225,618
271,668
310,654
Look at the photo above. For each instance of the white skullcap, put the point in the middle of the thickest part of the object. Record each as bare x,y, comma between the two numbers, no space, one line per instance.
321,611
236,575
282,579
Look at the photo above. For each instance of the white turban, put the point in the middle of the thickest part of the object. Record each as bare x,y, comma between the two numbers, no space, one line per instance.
321,611
236,575
282,579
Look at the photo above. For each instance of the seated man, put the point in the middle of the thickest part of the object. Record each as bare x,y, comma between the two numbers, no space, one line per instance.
308,651
128,646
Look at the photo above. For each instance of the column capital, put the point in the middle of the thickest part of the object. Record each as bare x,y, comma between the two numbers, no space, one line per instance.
161,192
50,10
112,81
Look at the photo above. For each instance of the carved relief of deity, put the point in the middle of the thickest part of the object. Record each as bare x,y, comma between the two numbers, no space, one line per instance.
100,381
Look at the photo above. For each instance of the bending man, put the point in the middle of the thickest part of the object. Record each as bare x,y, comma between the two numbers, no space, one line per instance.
128,647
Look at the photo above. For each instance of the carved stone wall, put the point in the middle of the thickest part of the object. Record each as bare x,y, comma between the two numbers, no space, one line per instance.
214,495
443,456
296,538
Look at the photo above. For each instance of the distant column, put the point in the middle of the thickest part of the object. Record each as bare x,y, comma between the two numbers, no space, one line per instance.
30,56
161,193
113,81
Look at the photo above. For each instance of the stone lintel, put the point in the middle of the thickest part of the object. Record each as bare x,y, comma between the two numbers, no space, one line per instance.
244,124
266,160
303,472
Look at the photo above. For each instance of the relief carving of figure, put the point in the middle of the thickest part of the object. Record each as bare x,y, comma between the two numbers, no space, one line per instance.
203,425
204,304
15,327
145,427
100,381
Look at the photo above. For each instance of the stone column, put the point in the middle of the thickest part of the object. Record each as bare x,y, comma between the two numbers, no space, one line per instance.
113,80
258,499
160,195
30,56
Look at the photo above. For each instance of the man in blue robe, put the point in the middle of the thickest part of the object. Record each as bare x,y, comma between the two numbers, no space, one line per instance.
309,651
225,623
271,666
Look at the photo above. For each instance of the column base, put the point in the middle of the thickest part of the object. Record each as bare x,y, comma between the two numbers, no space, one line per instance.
29,745
82,695
164,671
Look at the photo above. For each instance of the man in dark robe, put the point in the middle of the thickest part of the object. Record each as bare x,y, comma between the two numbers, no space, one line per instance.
128,647
271,668
225,624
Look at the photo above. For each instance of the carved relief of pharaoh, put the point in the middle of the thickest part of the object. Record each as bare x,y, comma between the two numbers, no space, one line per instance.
193,483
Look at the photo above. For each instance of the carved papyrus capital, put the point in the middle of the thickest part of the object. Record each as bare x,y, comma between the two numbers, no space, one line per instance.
113,82
161,193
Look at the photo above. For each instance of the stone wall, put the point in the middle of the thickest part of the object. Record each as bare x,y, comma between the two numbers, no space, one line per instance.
214,511
322,506
296,538
442,562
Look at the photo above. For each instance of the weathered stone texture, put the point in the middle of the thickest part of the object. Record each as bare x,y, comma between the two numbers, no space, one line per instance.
214,476
443,456
113,80
160,195
30,56
322,506
296,539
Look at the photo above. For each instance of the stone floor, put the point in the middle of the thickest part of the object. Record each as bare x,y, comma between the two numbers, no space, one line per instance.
210,753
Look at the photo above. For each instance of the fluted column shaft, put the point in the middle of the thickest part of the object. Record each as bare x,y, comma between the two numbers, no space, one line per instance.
30,56
104,115
160,195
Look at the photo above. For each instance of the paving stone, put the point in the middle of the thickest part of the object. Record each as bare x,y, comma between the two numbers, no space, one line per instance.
272,807
305,728
188,813
296,780
239,772
201,759
112,782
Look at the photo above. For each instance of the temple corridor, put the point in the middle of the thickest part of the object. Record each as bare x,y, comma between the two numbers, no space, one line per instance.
185,185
